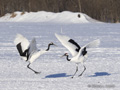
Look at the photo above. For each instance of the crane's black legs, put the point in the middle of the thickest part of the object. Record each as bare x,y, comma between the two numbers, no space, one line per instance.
28,66
83,71
75,71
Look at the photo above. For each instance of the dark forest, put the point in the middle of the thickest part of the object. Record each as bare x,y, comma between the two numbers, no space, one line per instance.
103,10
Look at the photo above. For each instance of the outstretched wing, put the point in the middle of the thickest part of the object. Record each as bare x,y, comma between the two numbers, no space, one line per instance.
32,47
70,44
22,45
92,44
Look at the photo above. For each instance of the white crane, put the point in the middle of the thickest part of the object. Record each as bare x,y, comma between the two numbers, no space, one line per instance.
79,53
28,51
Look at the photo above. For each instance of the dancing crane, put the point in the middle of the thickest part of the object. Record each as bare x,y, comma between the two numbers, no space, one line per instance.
79,53
28,51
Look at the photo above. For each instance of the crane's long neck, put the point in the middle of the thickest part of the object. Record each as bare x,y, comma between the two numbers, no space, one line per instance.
67,58
48,47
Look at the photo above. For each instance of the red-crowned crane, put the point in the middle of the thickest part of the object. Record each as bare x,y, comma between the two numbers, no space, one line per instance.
79,53
28,51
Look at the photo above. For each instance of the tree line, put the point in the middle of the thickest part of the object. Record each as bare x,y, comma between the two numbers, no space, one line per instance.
103,10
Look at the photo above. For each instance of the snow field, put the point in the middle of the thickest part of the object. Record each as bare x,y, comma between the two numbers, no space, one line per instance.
102,65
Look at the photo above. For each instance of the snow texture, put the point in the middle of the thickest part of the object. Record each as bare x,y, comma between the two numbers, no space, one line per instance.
102,66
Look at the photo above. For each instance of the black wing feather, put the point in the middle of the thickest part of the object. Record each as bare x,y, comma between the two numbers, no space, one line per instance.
19,48
84,52
73,42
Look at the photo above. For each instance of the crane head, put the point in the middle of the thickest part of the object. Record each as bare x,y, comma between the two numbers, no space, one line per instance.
66,54
52,44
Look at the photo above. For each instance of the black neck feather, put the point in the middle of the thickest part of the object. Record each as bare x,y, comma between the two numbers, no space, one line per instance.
68,58
48,47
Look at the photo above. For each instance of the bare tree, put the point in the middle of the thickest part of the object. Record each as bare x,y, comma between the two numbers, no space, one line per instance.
104,10
79,3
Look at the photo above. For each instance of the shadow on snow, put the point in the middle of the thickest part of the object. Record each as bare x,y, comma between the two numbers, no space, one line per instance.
100,74
57,75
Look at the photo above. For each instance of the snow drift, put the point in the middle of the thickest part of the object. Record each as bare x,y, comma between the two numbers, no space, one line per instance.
42,16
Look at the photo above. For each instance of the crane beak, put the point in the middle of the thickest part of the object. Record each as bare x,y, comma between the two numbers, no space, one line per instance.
54,44
62,56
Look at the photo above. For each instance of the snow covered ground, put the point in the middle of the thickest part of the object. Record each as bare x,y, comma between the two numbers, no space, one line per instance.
103,63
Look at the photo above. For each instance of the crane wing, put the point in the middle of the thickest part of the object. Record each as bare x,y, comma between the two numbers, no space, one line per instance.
70,44
92,44
22,45
32,47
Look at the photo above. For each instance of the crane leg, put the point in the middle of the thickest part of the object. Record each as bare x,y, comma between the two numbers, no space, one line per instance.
28,66
75,71
83,71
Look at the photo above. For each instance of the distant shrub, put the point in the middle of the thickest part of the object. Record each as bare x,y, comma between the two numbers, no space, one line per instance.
13,15
22,13
78,15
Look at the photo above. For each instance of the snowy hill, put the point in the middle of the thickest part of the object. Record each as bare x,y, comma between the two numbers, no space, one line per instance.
42,16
